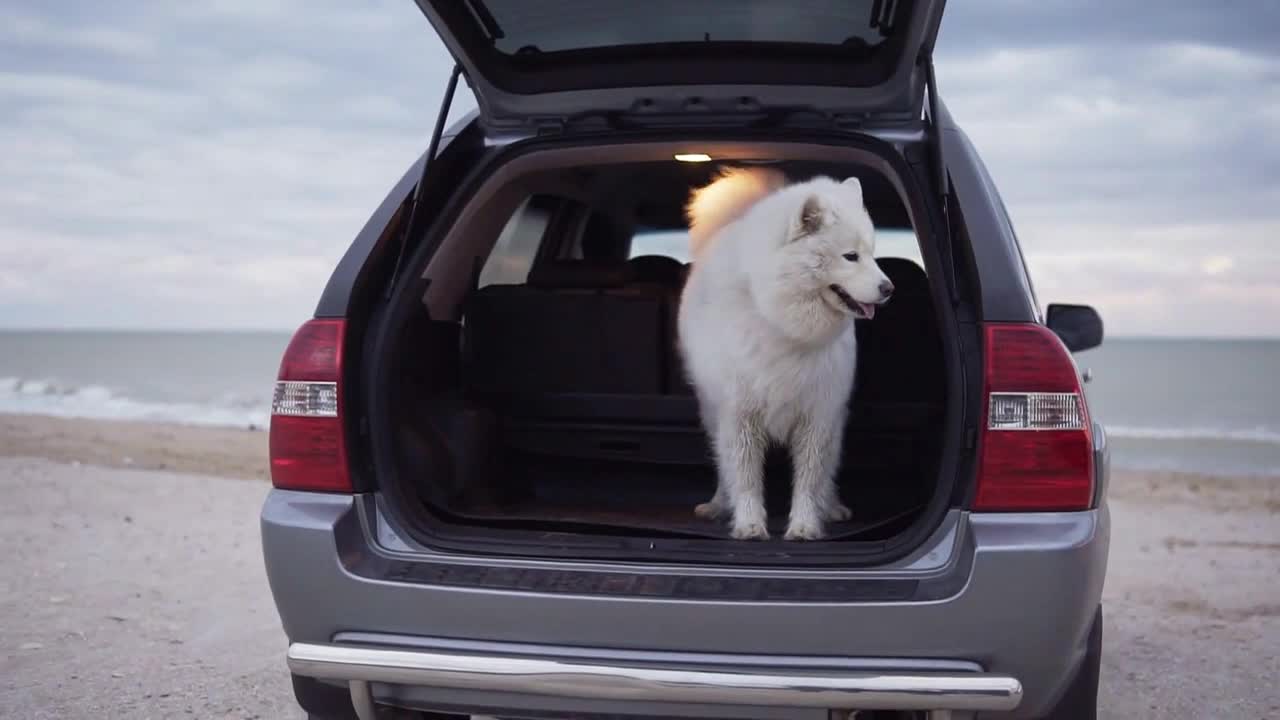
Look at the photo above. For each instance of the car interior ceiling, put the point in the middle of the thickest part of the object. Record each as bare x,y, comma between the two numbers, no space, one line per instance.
566,405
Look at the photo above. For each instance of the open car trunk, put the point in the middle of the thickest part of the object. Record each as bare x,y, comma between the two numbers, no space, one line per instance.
535,399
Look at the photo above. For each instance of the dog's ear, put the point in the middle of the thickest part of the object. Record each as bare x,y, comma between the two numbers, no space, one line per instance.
813,215
853,183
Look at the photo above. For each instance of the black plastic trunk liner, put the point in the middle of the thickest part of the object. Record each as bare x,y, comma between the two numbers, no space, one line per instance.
651,519
620,499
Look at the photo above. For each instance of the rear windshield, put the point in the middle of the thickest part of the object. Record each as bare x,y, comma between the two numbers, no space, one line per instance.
520,27
890,242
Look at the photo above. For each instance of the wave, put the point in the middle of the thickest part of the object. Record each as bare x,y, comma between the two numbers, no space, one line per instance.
1258,435
48,397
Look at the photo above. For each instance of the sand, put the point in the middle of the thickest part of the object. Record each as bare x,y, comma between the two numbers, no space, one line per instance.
223,452
133,583
135,594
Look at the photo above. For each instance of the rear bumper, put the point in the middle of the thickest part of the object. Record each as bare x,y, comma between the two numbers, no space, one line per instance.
991,608
706,686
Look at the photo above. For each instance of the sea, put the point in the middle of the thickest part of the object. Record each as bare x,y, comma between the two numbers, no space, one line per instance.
1210,406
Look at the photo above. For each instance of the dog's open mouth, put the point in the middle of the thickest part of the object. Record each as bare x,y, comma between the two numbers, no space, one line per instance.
860,309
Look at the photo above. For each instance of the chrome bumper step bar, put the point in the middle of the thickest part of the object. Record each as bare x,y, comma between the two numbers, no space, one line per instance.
937,693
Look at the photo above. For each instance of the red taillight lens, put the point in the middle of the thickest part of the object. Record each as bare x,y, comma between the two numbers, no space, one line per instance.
1037,446
308,446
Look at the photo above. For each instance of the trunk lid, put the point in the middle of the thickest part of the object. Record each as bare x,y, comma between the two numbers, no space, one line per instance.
551,61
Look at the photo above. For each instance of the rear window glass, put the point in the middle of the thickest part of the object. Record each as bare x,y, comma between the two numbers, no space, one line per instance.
894,242
517,246
898,243
651,241
524,26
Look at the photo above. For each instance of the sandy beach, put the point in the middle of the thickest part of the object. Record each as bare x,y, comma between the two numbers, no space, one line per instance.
221,452
134,587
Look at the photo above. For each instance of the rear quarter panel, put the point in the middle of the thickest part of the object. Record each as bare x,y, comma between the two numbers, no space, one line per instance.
1005,288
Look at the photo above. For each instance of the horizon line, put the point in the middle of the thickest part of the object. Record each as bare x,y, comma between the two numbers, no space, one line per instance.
285,330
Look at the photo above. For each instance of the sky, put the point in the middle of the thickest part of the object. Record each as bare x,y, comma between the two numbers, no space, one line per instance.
204,165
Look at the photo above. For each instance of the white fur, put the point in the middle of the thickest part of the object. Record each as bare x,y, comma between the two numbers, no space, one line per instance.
724,200
768,345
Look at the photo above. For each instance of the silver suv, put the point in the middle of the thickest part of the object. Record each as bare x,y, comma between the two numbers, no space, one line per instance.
485,453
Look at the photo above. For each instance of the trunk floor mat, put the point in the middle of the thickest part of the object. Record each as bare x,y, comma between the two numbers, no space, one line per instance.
659,518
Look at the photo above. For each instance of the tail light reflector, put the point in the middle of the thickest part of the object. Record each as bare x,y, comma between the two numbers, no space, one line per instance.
1037,444
308,446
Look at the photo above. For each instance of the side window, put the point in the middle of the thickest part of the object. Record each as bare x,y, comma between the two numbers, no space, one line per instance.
890,242
900,243
517,245
657,241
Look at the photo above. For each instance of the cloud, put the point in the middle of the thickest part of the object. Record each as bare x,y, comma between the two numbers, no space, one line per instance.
1135,172
217,188
1217,264
1109,24
206,164
1137,134
28,30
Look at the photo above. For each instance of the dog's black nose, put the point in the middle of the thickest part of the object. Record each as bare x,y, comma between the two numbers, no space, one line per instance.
886,289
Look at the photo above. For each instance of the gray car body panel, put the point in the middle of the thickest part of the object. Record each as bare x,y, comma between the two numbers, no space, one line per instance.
1007,593
1026,587
1006,292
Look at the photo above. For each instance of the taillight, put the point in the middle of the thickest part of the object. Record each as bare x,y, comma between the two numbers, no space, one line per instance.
308,447
1037,445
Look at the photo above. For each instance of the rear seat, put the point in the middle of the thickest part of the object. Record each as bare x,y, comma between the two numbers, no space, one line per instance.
577,327
900,352
581,361
667,274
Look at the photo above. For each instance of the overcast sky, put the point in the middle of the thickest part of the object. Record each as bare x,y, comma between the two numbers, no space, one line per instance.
171,164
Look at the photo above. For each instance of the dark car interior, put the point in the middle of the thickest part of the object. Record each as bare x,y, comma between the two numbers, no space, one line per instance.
559,402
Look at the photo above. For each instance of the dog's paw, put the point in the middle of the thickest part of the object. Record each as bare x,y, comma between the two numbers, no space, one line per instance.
749,531
709,511
837,512
804,531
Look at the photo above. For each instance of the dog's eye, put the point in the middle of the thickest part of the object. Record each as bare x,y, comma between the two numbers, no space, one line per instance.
851,257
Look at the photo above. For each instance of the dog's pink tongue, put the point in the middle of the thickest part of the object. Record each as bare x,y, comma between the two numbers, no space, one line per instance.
868,310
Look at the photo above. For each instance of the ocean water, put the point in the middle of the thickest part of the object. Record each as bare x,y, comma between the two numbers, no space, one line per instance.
1208,406
1192,405
199,378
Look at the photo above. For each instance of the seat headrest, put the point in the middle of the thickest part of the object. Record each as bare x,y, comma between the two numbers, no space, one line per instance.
658,269
604,239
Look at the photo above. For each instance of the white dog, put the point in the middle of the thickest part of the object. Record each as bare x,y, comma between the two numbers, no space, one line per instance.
766,330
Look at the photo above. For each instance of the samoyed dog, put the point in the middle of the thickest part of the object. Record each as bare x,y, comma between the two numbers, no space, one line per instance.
780,271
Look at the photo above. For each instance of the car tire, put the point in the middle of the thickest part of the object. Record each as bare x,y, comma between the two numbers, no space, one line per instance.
323,701
1080,701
